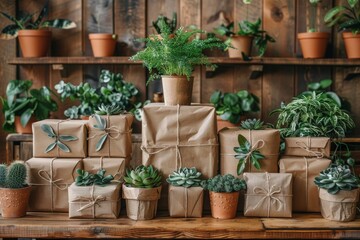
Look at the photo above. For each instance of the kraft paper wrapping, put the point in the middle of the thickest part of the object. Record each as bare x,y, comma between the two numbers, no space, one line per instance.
50,179
94,201
186,202
304,171
308,147
268,195
141,203
339,207
118,142
75,128
270,149
179,136
113,166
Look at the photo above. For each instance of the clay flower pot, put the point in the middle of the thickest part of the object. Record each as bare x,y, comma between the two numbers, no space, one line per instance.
352,44
102,44
313,44
224,205
240,44
34,43
14,202
177,89
24,130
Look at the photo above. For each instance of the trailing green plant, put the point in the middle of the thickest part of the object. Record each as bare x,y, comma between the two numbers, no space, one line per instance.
230,106
176,54
14,176
337,178
346,17
224,184
87,179
23,102
143,177
314,115
111,109
58,139
171,23
246,152
252,124
28,21
185,177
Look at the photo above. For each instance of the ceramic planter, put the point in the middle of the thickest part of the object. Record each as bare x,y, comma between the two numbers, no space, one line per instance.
352,44
223,205
313,44
240,44
339,207
177,89
102,44
24,130
14,202
141,203
34,43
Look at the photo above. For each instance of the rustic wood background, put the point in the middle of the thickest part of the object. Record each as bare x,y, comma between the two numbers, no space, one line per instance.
131,19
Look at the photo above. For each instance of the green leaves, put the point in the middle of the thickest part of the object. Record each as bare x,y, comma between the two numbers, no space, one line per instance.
87,179
101,125
46,128
185,177
346,17
143,177
161,21
224,183
59,23
252,124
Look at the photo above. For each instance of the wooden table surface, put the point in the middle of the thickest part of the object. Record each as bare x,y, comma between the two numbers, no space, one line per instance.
301,226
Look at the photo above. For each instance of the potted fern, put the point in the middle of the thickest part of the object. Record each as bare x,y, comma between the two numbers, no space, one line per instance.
14,189
34,38
174,57
313,43
339,193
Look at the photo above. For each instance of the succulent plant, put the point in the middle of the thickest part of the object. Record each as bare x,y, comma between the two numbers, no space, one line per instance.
185,177
13,176
336,178
143,177
252,124
224,183
3,172
110,109
87,179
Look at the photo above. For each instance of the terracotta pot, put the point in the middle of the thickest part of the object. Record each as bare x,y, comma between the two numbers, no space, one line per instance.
34,43
223,123
352,44
14,202
224,205
102,44
240,44
177,89
83,117
313,44
24,130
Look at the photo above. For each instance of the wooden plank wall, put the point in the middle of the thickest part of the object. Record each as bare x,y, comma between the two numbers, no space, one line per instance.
131,19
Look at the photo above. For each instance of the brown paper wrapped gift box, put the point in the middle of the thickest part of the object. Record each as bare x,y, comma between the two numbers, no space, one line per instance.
186,202
113,166
94,201
50,179
118,142
179,136
304,171
268,195
75,128
308,147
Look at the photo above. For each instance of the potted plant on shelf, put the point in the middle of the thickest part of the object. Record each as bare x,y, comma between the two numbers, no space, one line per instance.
339,193
313,43
141,191
185,193
231,106
174,57
34,38
14,190
224,193
348,20
23,106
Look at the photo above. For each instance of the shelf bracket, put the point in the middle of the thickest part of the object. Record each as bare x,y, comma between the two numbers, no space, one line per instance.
352,73
256,71
63,70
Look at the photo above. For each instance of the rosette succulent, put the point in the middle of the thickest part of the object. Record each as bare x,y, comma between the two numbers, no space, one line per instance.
252,124
185,177
87,179
110,109
224,183
143,177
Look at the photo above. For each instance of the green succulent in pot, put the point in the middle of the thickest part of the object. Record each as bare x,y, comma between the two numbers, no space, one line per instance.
143,177
87,179
185,177
252,124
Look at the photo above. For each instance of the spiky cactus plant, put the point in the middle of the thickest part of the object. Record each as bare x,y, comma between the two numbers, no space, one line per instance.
3,172
185,177
16,175
143,177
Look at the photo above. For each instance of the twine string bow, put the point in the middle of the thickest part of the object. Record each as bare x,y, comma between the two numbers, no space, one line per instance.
307,148
92,201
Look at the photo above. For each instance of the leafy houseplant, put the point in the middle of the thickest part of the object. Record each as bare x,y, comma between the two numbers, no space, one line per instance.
141,190
348,20
171,23
34,40
224,195
14,189
174,57
23,106
339,193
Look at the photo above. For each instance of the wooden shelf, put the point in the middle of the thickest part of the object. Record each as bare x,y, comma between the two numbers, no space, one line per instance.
217,60
301,226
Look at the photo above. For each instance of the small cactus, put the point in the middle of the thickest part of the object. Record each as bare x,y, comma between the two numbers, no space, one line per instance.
3,172
17,175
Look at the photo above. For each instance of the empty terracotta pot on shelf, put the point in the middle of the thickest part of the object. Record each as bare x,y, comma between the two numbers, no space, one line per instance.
102,44
313,44
34,43
240,44
352,44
